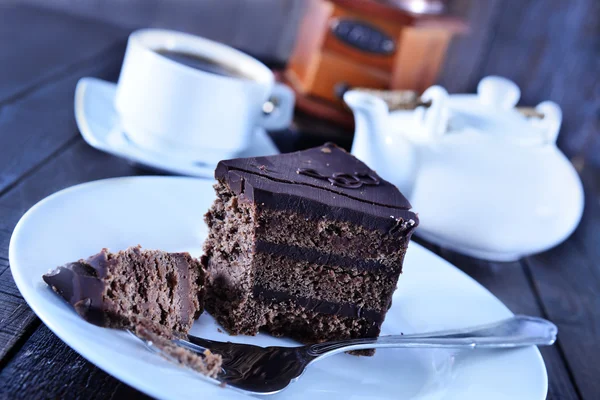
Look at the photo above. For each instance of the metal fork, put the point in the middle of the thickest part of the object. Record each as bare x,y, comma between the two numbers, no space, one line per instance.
269,370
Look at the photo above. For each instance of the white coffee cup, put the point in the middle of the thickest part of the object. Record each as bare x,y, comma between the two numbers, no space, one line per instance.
180,111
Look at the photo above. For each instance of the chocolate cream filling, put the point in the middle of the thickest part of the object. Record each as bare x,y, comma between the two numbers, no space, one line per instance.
319,306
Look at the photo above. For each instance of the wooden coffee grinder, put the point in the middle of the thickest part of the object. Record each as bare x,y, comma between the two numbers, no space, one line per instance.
389,45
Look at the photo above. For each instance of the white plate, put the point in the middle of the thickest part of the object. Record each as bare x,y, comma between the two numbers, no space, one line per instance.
167,213
99,125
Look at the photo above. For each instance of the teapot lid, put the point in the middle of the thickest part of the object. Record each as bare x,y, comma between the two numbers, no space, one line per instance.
491,112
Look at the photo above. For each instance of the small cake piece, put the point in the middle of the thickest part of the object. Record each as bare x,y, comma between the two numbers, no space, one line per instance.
121,289
308,245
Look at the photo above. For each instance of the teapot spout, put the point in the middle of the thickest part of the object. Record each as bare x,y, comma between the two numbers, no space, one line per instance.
376,144
370,117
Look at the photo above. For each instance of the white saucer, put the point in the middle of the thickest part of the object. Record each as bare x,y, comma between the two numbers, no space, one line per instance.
99,125
166,213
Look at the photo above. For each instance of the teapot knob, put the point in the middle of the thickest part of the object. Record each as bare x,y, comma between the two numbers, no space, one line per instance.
498,92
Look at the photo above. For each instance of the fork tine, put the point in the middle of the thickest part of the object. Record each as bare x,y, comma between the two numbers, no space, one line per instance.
183,343
196,358
243,367
154,348
190,346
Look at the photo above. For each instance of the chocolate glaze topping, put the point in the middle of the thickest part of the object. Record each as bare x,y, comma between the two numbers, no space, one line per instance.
343,179
320,181
80,283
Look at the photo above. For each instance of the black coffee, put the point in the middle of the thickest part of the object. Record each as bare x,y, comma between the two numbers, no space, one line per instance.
201,63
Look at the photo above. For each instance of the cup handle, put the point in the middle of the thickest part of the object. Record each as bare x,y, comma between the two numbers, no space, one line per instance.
279,109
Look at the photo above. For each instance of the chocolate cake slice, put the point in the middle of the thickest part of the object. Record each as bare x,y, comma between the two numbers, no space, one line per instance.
307,244
122,289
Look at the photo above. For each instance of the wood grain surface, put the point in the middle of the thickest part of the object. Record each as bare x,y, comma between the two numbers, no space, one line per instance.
549,48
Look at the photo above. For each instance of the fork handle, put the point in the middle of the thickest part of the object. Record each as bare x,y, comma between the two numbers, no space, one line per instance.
517,331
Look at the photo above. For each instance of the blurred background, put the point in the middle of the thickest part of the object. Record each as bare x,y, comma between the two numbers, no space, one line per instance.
549,48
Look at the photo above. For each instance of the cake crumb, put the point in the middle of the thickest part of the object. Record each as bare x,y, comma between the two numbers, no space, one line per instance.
219,330
326,150
262,167
208,363
223,385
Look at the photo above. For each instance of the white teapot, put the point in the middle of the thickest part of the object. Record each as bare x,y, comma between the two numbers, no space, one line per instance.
485,180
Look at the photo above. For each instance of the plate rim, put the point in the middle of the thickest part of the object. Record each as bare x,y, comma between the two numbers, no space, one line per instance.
131,379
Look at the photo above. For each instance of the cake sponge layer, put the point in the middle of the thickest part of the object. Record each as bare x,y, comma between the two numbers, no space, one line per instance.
330,236
246,315
364,289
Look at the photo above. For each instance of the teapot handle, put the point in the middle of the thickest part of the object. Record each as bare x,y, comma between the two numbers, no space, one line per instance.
433,119
550,123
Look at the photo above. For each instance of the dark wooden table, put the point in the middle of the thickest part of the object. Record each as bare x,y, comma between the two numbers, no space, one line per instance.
42,152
